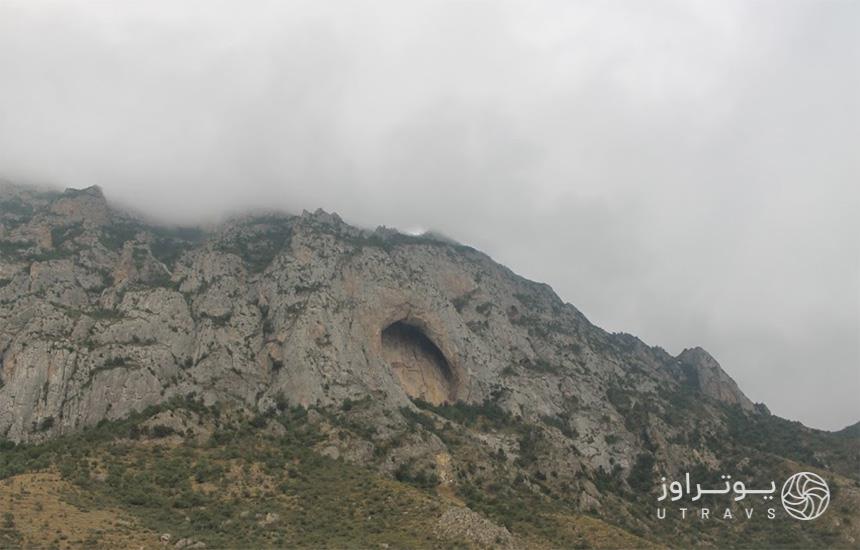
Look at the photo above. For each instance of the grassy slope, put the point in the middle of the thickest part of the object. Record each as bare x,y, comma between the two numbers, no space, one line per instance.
123,485
37,512
258,482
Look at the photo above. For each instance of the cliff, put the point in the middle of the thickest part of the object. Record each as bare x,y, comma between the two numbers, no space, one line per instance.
416,356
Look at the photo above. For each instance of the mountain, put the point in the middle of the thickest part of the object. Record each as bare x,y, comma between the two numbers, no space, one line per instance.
243,367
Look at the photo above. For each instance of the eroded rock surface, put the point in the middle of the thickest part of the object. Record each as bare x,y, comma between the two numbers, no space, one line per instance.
102,314
420,367
416,356
705,374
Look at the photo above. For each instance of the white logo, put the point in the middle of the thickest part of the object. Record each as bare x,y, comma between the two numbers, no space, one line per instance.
805,496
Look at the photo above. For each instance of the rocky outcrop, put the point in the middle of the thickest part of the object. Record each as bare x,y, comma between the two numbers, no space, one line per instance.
702,372
102,315
461,524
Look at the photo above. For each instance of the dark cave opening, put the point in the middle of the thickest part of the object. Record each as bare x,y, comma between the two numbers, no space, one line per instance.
418,363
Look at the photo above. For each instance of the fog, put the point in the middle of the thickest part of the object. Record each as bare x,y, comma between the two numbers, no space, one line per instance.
684,171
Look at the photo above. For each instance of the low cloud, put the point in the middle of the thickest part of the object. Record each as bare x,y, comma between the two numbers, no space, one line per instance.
684,171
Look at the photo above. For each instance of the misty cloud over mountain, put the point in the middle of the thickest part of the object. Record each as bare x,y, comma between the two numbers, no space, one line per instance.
683,171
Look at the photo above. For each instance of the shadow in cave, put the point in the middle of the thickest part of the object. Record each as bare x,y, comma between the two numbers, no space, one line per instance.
418,363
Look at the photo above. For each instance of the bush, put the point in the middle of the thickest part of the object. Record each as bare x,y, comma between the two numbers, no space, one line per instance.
158,431
489,412
423,478
641,477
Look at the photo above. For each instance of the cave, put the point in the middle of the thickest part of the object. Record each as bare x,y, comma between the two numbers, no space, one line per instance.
419,365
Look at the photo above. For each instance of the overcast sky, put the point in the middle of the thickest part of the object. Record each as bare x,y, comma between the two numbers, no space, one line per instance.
688,172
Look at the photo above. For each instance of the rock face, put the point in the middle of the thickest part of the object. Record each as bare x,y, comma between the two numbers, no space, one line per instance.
418,364
417,356
102,314
458,524
705,374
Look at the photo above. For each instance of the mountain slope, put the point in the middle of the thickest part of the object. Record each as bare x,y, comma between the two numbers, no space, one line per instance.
416,356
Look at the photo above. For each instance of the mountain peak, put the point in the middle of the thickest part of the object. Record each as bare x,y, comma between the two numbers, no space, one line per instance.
416,357
91,191
87,206
704,373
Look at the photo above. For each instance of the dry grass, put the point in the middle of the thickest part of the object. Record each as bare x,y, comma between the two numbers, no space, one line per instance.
43,517
599,534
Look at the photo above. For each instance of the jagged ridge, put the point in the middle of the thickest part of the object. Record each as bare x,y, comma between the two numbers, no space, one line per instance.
102,314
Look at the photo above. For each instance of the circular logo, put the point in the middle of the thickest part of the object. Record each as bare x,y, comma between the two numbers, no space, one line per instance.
805,496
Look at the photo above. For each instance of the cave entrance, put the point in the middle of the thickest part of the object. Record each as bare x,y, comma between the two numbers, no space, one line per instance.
418,363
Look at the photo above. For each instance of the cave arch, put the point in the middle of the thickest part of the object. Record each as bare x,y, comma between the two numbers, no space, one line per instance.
419,365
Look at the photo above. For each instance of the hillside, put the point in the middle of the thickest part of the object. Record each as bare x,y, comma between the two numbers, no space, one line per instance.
286,380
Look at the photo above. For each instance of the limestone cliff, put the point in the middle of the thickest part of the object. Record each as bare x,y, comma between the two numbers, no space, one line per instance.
102,314
417,356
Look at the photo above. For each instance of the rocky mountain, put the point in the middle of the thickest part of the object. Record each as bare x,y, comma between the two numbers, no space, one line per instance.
415,357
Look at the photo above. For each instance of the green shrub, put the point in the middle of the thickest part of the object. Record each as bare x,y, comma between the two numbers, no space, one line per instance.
488,413
641,476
